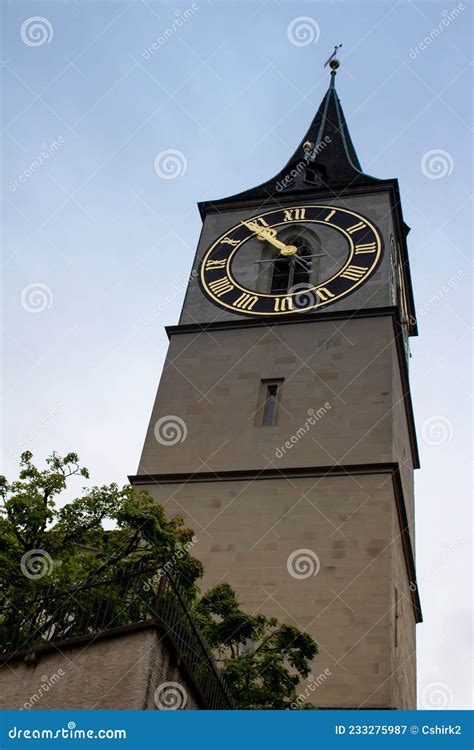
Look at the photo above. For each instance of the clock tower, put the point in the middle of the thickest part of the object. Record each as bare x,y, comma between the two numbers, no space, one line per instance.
283,428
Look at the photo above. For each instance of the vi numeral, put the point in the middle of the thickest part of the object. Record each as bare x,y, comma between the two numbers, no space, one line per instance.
283,304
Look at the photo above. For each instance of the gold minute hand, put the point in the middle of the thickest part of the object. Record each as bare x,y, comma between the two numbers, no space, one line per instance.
270,235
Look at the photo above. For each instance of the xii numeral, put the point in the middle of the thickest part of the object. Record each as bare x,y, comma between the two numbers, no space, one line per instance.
354,273
295,214
368,247
219,287
215,264
282,304
246,301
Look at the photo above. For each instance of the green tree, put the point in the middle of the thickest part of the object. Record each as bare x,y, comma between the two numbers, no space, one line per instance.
262,659
64,546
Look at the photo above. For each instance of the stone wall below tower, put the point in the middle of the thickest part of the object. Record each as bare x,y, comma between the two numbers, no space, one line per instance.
120,672
255,534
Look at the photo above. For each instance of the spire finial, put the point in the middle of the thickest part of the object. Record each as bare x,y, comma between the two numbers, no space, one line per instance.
333,63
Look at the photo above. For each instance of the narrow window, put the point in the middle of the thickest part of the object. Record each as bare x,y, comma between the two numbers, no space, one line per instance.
396,617
270,404
294,270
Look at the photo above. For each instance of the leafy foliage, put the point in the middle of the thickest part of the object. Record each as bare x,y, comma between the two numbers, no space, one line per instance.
262,659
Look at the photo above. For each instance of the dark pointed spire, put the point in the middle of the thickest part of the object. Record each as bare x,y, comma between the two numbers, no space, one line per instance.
325,158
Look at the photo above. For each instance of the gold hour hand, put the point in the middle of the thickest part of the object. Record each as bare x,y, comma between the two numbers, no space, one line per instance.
270,235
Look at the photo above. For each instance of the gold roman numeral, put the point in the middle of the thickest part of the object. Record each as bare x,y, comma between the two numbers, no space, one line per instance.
215,264
219,287
295,214
354,273
282,304
324,294
356,227
368,247
255,224
330,215
229,241
246,301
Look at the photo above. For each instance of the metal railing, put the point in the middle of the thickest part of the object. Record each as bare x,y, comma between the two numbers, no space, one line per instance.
135,595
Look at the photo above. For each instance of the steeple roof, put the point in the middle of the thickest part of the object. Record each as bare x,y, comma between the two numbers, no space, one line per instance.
325,158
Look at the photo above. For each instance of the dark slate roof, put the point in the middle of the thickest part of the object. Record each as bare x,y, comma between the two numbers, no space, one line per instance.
333,162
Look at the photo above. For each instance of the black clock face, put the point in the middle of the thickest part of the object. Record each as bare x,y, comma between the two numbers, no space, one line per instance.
276,240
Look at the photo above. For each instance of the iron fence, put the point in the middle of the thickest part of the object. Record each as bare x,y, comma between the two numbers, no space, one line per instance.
134,595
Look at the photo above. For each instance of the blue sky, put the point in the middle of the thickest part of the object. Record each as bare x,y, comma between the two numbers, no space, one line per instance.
108,239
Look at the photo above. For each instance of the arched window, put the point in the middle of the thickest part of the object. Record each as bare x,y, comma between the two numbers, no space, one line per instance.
293,270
